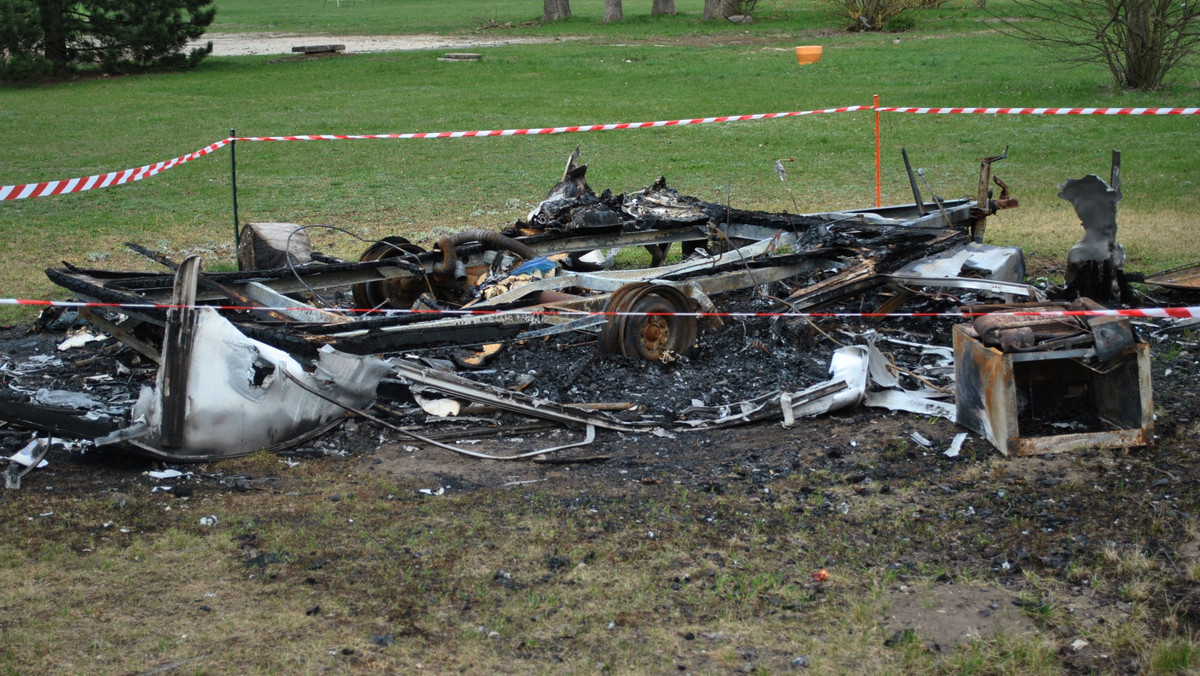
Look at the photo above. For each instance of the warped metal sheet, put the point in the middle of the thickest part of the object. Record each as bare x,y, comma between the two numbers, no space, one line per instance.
1186,278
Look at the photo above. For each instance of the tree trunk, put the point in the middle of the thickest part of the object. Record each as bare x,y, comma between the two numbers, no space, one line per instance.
1142,55
663,7
553,10
54,30
613,11
720,9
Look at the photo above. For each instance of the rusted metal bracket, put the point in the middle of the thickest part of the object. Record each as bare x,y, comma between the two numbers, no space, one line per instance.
984,204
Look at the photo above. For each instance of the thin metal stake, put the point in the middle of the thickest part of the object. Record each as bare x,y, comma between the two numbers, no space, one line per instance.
912,181
233,182
1115,176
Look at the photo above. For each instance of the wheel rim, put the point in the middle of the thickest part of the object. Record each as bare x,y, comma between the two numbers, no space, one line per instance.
393,293
653,328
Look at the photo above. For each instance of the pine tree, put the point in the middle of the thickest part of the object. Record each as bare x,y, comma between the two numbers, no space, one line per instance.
119,35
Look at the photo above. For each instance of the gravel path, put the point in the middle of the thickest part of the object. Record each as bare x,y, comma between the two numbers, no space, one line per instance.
244,44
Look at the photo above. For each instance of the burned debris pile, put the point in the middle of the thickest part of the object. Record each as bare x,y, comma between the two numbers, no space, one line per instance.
555,319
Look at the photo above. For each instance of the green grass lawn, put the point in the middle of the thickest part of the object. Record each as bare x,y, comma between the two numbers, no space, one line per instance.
620,73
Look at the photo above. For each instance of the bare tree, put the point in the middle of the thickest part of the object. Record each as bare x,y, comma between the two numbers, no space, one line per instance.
613,11
663,7
1139,40
720,9
553,10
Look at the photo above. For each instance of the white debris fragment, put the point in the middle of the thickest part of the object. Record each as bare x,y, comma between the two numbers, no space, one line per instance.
440,408
164,474
956,445
79,339
920,439
210,520
24,457
601,257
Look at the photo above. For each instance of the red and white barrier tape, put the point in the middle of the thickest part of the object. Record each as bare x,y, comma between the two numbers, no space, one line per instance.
1046,111
48,188
16,192
1144,313
555,130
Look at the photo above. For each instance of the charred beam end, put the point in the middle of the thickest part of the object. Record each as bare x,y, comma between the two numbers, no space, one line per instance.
119,332
61,422
209,283
177,349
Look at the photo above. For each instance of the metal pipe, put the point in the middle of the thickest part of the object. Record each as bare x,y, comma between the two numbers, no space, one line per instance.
447,266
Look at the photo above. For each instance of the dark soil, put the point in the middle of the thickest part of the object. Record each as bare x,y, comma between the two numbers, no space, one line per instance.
991,516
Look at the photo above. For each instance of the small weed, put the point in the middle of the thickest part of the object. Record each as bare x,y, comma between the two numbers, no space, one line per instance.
1004,654
1128,561
1193,572
1137,590
1043,611
1179,656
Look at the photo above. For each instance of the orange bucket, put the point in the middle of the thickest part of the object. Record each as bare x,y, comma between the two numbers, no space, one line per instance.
809,54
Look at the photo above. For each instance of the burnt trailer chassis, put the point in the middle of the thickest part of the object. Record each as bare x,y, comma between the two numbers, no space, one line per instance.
843,252
463,292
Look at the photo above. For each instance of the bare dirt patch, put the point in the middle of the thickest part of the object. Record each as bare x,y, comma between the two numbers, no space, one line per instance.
948,615
248,44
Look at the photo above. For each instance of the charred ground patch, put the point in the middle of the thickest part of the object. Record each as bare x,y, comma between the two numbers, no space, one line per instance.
689,551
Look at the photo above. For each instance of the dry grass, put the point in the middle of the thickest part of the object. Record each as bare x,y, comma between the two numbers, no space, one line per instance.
635,578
